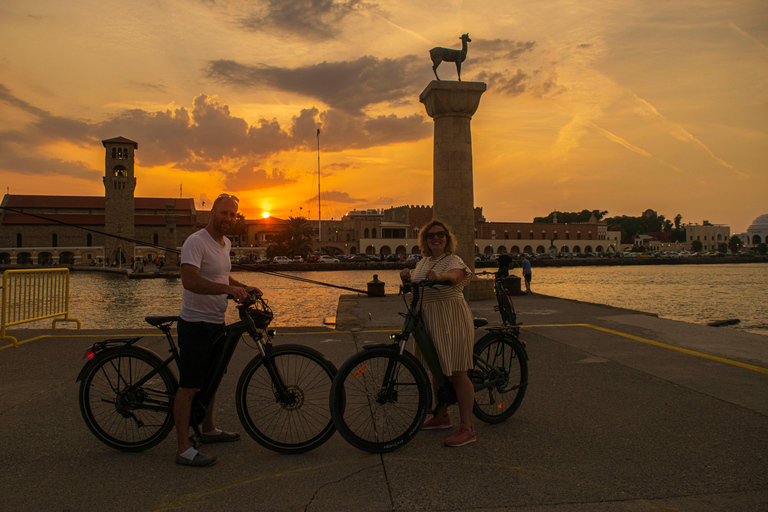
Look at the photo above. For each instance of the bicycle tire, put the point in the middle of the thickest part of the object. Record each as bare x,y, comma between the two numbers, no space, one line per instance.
365,422
504,352
511,319
287,428
134,421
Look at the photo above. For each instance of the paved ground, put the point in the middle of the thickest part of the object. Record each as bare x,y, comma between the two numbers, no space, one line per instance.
624,412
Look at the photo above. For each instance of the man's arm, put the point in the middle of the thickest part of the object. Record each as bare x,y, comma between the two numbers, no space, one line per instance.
249,289
191,280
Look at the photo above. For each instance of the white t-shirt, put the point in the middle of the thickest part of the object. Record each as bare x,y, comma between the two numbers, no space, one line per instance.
205,253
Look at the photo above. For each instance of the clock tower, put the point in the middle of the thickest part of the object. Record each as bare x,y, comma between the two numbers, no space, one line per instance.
119,187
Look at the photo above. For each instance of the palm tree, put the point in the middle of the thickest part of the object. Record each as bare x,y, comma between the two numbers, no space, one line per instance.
294,240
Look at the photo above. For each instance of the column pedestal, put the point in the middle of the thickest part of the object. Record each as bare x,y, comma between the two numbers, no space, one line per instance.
452,105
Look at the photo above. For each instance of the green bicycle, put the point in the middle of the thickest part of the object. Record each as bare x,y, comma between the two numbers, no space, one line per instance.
381,395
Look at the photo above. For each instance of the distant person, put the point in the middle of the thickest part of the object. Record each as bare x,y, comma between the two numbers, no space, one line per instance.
526,273
504,262
205,276
449,323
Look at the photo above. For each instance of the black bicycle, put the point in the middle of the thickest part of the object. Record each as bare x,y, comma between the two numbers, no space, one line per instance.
381,395
126,391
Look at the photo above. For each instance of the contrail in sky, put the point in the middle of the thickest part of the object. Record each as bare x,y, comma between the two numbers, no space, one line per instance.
747,36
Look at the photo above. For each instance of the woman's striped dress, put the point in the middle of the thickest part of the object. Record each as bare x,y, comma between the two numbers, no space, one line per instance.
446,314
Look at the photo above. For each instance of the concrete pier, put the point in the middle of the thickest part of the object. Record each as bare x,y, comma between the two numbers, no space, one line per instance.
624,412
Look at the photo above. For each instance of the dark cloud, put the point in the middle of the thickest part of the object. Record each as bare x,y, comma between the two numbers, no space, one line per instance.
505,83
492,50
336,197
309,19
203,137
346,85
34,165
249,177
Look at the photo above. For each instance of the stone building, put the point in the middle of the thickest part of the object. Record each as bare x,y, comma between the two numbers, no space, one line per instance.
53,234
757,233
710,235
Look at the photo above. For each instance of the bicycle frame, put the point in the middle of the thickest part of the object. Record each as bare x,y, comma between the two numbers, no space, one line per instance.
414,325
224,350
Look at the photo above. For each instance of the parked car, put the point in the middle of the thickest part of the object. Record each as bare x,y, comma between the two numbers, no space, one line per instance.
280,259
327,259
359,258
262,260
375,257
298,259
394,257
414,258
312,258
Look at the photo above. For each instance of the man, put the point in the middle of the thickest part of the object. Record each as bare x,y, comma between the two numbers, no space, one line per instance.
526,273
205,268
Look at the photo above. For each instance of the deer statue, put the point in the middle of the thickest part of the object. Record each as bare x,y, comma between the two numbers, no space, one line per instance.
439,54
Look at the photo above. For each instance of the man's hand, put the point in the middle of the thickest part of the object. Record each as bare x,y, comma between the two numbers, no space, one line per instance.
238,293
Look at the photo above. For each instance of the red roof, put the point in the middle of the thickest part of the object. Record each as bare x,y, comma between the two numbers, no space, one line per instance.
95,203
120,140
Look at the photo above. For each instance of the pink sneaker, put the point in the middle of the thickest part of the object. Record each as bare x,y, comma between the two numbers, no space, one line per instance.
463,436
437,423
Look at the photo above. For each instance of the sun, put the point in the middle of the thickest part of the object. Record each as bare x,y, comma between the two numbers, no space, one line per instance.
265,215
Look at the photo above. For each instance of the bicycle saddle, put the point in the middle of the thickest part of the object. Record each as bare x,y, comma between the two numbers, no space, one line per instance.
158,320
479,322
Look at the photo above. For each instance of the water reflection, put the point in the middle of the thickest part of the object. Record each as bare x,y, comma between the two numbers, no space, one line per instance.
692,293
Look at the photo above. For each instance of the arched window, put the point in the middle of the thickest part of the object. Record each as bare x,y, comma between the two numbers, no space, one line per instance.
567,235
155,239
18,239
590,235
554,237
88,240
373,233
519,235
114,152
366,233
493,234
531,235
543,235
119,170
54,240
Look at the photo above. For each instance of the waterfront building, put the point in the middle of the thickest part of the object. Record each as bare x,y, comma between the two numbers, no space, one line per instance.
710,235
757,233
31,240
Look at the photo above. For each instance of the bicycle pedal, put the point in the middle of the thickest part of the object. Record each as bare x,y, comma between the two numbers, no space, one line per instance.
196,441
496,308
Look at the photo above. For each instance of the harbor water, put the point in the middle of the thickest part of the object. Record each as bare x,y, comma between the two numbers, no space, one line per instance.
691,293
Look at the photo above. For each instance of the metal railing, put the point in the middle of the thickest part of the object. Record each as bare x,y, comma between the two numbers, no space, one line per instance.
31,295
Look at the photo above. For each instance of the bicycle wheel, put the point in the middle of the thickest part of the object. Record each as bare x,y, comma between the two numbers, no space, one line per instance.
299,425
505,354
120,415
373,415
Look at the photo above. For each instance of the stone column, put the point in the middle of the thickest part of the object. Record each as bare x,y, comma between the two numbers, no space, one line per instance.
452,105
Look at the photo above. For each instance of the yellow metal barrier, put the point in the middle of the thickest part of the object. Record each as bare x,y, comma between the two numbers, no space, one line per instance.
30,295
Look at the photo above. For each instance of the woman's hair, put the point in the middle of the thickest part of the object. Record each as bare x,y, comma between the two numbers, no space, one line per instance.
450,241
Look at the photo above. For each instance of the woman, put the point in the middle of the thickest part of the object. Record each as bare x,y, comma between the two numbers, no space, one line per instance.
448,321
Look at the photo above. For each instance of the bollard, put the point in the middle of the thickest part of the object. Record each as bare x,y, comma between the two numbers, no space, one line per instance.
376,287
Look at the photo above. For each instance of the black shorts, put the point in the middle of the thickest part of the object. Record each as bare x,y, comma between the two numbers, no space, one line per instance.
196,349
527,278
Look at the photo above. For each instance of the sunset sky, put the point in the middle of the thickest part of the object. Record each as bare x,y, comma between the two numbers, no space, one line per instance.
613,105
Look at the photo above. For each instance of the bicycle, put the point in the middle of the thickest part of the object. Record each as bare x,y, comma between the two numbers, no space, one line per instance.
126,391
381,395
504,306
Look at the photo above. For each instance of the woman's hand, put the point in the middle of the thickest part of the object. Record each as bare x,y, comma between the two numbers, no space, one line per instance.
434,276
405,275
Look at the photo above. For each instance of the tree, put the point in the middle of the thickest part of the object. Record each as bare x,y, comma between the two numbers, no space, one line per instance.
696,246
762,249
294,240
678,219
722,247
572,217
734,243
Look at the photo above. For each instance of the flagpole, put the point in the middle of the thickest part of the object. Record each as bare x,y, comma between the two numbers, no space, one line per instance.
319,216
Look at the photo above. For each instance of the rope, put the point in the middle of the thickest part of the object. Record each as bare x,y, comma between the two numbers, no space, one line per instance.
176,251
